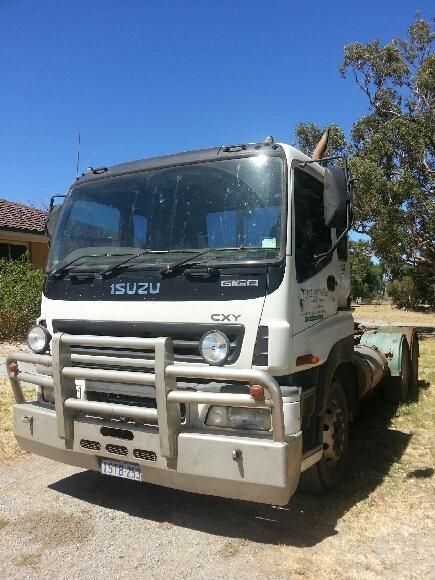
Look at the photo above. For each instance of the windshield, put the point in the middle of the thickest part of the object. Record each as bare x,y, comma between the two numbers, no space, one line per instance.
234,204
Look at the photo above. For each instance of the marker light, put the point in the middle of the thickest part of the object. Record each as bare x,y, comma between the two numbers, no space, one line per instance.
214,347
38,339
256,391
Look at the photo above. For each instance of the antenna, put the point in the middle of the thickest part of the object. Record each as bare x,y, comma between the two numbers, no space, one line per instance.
78,155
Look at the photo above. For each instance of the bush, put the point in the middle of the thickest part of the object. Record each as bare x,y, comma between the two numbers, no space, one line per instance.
20,298
403,293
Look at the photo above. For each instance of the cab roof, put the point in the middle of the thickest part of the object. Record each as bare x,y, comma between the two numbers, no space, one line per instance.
200,155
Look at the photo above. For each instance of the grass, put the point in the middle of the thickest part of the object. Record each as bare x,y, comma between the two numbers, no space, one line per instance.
387,314
8,445
380,521
30,560
231,548
3,522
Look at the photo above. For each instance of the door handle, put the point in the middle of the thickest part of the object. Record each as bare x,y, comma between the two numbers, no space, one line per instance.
331,283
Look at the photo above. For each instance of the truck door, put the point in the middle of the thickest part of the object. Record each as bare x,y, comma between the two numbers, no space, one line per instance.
314,295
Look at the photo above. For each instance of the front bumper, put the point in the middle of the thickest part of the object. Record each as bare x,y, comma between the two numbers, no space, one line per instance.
262,467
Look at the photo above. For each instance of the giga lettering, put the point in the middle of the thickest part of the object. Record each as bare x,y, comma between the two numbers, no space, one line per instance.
142,288
238,283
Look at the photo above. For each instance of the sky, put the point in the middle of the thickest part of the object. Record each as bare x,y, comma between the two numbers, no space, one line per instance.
138,78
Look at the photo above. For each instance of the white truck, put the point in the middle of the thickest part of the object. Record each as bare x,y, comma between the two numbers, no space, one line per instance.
196,329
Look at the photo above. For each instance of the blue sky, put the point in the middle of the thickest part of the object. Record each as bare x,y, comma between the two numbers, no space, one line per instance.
140,78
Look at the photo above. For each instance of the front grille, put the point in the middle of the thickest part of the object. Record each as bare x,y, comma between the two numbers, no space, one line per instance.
144,454
130,400
116,449
261,349
86,444
121,399
185,337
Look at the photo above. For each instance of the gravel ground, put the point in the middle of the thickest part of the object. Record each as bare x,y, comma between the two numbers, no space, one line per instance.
61,522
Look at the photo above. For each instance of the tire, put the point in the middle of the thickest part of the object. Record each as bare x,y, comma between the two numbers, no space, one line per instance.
414,364
326,473
396,389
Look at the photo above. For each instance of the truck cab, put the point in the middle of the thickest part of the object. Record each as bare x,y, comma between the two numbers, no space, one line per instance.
195,329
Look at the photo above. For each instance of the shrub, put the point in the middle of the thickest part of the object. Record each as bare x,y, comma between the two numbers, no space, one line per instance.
403,293
20,297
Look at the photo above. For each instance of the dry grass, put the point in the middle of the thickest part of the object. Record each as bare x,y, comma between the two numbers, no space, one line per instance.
8,445
381,520
3,522
387,314
29,560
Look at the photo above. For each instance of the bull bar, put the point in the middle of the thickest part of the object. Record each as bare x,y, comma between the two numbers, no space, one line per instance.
163,376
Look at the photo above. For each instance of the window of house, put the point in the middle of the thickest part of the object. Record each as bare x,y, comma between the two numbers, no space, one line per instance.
12,251
312,236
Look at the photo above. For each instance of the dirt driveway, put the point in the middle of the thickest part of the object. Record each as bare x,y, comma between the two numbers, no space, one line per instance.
60,522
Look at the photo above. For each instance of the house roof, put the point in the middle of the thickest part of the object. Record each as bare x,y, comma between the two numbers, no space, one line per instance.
18,217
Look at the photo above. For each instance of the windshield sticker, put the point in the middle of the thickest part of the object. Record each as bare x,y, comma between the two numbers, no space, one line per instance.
268,243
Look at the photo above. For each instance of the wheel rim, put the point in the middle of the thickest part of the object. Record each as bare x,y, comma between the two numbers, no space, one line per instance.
334,432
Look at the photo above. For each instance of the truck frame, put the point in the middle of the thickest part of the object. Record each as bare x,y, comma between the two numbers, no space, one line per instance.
209,349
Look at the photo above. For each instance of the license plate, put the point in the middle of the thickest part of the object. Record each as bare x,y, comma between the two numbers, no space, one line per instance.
121,469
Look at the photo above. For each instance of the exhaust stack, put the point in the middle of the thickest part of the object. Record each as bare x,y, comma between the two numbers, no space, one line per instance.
321,146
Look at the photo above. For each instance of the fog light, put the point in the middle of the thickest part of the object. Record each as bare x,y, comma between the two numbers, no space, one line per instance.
214,347
239,418
38,339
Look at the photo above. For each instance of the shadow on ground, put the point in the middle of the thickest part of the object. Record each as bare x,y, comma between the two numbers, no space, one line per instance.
305,521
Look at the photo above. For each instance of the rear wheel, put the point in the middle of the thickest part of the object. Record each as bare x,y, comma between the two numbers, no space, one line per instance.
414,364
327,472
396,389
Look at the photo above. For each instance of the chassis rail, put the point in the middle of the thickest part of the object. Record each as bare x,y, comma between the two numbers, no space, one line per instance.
164,378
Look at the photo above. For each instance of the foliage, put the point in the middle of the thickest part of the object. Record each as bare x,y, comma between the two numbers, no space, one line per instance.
393,158
367,277
392,150
308,135
20,296
403,292
412,290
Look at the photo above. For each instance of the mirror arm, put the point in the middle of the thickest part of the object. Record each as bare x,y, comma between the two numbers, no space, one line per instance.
50,207
304,163
321,257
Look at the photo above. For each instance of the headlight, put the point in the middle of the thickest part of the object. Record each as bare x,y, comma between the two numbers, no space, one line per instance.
239,418
214,347
38,339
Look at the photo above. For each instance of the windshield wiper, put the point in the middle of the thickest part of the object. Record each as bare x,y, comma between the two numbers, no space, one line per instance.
60,269
122,264
171,268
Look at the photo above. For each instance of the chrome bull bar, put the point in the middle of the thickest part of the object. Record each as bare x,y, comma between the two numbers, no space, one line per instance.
164,378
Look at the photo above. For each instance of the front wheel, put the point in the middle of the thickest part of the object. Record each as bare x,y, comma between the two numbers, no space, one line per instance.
327,472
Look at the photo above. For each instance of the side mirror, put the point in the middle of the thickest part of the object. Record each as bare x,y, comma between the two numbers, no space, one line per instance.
52,218
337,196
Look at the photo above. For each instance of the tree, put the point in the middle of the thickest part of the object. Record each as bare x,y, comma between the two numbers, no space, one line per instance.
366,277
393,160
308,135
392,148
